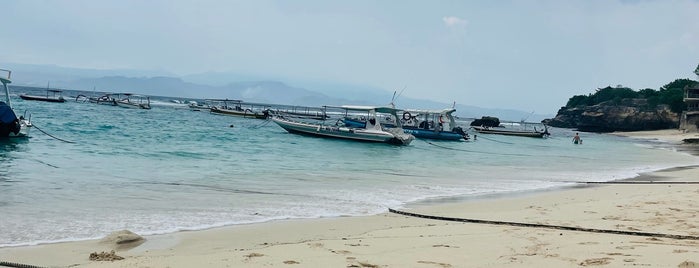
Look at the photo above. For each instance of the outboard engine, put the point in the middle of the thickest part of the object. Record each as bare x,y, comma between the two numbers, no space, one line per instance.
461,131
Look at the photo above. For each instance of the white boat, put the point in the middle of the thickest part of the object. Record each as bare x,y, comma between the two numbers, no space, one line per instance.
372,131
195,106
10,125
247,110
134,101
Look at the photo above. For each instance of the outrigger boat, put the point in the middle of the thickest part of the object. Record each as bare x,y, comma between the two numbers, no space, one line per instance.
370,132
55,97
237,109
10,125
105,99
134,101
533,134
423,124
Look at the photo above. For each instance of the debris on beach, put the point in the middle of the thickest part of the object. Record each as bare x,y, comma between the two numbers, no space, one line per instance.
105,256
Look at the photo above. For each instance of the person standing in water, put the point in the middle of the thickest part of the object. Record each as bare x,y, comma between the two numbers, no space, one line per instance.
576,139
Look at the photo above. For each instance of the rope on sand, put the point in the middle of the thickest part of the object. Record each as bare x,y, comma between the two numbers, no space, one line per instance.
640,182
546,226
18,265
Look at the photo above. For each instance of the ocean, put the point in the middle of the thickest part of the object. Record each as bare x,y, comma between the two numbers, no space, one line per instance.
171,169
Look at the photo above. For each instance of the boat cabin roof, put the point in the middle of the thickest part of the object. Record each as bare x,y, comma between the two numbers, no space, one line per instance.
224,100
443,111
380,109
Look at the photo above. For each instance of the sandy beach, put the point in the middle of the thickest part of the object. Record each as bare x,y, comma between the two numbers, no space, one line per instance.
666,135
656,204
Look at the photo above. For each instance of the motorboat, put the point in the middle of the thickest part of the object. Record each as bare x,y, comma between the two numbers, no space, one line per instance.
541,133
52,95
372,131
133,101
11,126
237,108
423,124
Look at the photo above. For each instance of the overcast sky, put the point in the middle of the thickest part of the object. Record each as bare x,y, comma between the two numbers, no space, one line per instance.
527,55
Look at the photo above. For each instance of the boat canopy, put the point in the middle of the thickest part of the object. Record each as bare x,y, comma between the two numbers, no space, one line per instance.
380,109
443,111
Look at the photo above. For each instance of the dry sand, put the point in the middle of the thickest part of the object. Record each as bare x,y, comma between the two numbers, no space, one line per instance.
392,240
666,135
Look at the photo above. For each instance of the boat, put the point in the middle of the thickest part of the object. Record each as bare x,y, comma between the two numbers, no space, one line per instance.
195,106
133,101
105,99
237,109
423,124
54,97
371,132
522,133
10,125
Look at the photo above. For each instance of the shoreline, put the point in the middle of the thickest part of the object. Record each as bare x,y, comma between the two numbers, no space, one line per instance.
392,240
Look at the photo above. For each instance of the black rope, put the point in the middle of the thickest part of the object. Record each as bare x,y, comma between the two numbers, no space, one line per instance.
639,182
495,140
66,141
264,123
546,226
18,265
472,151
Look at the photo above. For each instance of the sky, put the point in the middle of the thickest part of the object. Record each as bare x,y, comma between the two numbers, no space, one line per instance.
527,55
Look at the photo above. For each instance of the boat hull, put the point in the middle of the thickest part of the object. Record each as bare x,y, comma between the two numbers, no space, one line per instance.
41,98
10,125
433,135
131,105
531,134
242,113
356,134
417,132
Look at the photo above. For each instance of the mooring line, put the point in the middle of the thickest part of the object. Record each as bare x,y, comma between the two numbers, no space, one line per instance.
546,226
42,131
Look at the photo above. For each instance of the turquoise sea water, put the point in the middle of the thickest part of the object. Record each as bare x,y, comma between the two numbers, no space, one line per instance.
170,169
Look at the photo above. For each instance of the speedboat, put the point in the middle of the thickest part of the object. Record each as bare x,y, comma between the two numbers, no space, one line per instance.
10,125
423,124
372,131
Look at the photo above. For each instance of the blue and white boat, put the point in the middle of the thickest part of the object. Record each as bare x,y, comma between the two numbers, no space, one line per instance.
10,125
371,132
423,124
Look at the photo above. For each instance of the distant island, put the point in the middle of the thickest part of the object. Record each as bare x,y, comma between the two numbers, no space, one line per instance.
624,109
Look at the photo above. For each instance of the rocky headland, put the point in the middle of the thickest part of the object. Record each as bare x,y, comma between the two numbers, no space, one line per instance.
609,116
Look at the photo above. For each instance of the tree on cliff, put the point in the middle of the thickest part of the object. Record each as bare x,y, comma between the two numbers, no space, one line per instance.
671,94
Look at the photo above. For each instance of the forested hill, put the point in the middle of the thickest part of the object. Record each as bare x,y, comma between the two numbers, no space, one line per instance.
624,109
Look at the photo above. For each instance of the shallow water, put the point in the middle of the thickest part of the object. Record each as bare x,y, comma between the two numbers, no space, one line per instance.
169,169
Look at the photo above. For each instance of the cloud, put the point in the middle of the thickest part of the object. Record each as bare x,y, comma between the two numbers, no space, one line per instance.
452,21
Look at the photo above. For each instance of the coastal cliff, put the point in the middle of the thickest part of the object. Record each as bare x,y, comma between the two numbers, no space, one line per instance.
623,115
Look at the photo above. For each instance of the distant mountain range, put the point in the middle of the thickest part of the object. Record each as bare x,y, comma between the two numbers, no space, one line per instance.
235,86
